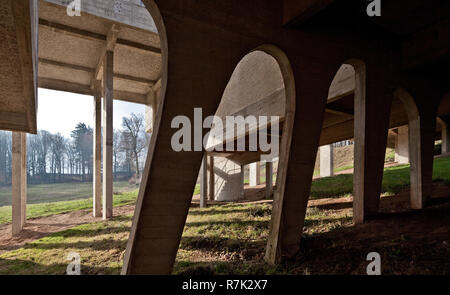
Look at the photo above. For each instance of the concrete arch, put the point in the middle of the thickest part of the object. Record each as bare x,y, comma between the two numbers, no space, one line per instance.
288,83
414,146
157,18
359,127
261,84
286,139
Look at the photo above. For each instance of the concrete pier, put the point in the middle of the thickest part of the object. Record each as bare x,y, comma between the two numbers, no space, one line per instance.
19,181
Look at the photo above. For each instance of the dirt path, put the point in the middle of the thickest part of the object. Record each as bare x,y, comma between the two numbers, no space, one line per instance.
40,227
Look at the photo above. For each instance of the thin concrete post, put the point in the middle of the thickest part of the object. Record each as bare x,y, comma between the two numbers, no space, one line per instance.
19,181
242,193
108,67
445,147
401,145
326,160
211,179
204,182
269,179
97,153
254,174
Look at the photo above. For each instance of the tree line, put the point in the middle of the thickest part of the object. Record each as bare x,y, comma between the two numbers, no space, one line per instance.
55,158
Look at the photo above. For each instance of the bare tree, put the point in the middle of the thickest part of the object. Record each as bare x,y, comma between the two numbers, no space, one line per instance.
132,140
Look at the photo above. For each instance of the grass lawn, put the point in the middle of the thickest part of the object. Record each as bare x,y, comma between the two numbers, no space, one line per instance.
99,244
46,209
221,239
395,179
215,237
54,192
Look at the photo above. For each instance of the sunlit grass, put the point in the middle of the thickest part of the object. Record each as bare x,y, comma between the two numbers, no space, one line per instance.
46,209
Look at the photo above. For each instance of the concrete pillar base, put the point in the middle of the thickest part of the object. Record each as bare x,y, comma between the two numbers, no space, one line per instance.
326,160
401,145
229,180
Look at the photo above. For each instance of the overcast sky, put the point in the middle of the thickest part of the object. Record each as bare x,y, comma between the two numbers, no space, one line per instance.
61,111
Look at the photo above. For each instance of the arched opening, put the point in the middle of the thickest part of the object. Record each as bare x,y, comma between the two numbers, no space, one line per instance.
262,85
256,89
408,150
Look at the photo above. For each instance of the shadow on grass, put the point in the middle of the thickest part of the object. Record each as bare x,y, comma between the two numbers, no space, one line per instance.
206,212
104,244
231,223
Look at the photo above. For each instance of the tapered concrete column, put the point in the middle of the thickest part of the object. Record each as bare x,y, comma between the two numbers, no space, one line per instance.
19,181
401,145
421,129
326,160
97,154
254,174
422,144
108,67
229,185
211,178
269,179
373,99
204,182
296,164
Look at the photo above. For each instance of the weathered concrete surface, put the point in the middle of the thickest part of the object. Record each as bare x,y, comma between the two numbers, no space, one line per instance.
209,35
97,154
129,12
18,65
373,99
269,179
137,51
229,180
107,115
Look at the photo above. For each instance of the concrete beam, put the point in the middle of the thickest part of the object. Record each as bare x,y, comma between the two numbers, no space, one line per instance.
19,181
298,12
111,40
326,160
108,94
254,174
18,65
97,152
95,36
65,86
93,71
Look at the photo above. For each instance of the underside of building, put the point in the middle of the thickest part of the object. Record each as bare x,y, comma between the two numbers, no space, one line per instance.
326,69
